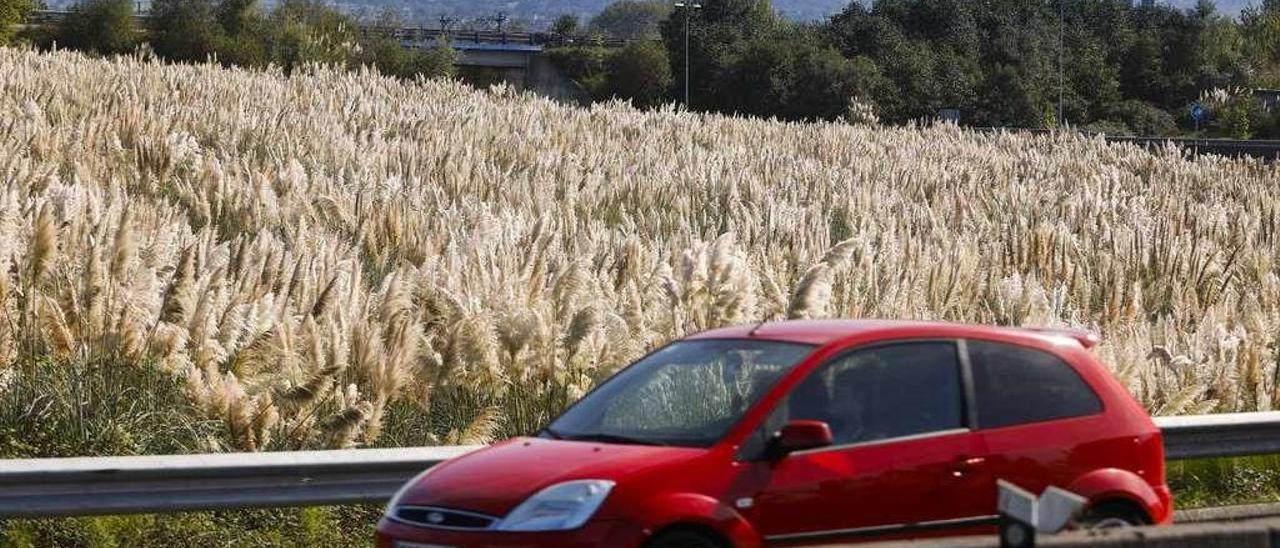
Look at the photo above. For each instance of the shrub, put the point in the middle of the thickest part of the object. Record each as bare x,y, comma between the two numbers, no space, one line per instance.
639,72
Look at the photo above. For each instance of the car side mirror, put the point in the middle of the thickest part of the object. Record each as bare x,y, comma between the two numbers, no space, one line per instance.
799,435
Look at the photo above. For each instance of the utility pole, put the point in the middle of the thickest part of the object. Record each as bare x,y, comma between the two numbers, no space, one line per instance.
1062,29
688,14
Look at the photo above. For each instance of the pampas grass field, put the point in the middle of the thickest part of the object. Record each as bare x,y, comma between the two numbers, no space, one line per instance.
195,258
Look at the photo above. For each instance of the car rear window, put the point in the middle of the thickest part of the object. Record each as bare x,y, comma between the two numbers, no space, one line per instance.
1019,385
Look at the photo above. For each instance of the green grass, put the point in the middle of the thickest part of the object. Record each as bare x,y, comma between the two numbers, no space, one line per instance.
72,409
337,526
1220,482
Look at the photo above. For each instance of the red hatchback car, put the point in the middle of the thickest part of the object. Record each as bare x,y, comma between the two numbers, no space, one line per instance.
805,431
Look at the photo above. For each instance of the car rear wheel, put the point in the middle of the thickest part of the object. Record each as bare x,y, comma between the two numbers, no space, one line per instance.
684,539
1114,515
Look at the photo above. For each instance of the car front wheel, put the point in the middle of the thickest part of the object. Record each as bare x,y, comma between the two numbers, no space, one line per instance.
683,539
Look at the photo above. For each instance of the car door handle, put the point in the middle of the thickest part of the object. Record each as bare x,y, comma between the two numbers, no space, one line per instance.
965,465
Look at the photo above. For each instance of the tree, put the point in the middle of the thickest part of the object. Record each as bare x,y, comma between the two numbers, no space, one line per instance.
585,65
639,72
393,59
236,16
631,19
720,32
12,12
439,62
565,25
183,30
824,82
99,26
308,31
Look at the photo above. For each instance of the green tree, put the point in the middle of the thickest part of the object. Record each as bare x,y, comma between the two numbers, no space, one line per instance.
1260,27
639,72
824,81
99,26
12,13
631,19
438,62
1233,118
237,16
585,65
183,30
393,59
720,33
565,25
309,31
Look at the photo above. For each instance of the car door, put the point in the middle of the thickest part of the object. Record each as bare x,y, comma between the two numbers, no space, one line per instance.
1040,422
903,461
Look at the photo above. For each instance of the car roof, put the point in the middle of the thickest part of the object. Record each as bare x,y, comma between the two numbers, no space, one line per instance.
822,332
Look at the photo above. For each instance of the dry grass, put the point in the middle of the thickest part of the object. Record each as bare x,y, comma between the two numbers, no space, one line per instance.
312,253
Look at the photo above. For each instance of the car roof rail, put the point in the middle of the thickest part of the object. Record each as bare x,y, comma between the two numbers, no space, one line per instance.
1086,338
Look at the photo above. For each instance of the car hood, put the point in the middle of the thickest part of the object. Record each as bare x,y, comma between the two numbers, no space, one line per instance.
494,480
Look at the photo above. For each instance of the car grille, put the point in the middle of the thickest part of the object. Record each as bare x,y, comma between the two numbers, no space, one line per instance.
443,518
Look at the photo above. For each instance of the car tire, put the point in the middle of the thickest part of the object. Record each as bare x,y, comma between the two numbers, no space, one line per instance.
1114,515
684,539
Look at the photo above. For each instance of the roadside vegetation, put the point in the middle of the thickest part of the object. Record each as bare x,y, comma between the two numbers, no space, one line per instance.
239,33
334,259
196,258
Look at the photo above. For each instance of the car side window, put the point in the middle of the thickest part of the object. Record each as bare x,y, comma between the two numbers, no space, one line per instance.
884,392
1019,385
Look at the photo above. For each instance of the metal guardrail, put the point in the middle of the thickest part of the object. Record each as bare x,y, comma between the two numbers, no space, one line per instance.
121,485
1221,435
125,485
1256,148
1264,149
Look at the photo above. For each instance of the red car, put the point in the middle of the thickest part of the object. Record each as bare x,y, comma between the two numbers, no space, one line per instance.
805,431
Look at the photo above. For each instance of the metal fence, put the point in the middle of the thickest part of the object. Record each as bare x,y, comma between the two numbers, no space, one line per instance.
121,485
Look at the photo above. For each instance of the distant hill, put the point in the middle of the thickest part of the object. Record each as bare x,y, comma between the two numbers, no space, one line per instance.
1230,7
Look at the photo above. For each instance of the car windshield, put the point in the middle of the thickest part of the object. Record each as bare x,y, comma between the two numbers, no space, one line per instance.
688,393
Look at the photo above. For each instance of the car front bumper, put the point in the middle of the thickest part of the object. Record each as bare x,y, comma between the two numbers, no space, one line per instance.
392,534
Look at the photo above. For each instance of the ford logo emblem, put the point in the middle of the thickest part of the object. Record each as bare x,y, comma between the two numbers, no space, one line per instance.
435,517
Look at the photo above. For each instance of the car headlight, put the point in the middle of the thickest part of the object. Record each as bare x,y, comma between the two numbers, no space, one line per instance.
562,506
389,511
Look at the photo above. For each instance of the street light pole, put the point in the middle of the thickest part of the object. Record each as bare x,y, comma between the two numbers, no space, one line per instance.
688,14
1062,29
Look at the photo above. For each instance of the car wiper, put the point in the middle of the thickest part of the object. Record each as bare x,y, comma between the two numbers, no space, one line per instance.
614,438
554,435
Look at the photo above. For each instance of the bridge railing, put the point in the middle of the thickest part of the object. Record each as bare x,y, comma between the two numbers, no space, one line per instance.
119,485
414,34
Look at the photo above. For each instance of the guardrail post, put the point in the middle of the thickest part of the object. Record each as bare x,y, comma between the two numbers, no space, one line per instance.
1017,509
1023,515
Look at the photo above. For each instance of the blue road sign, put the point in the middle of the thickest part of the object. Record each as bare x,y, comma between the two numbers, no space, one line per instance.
1197,112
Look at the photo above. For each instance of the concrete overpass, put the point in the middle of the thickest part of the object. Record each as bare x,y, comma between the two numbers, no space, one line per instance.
521,65
515,57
